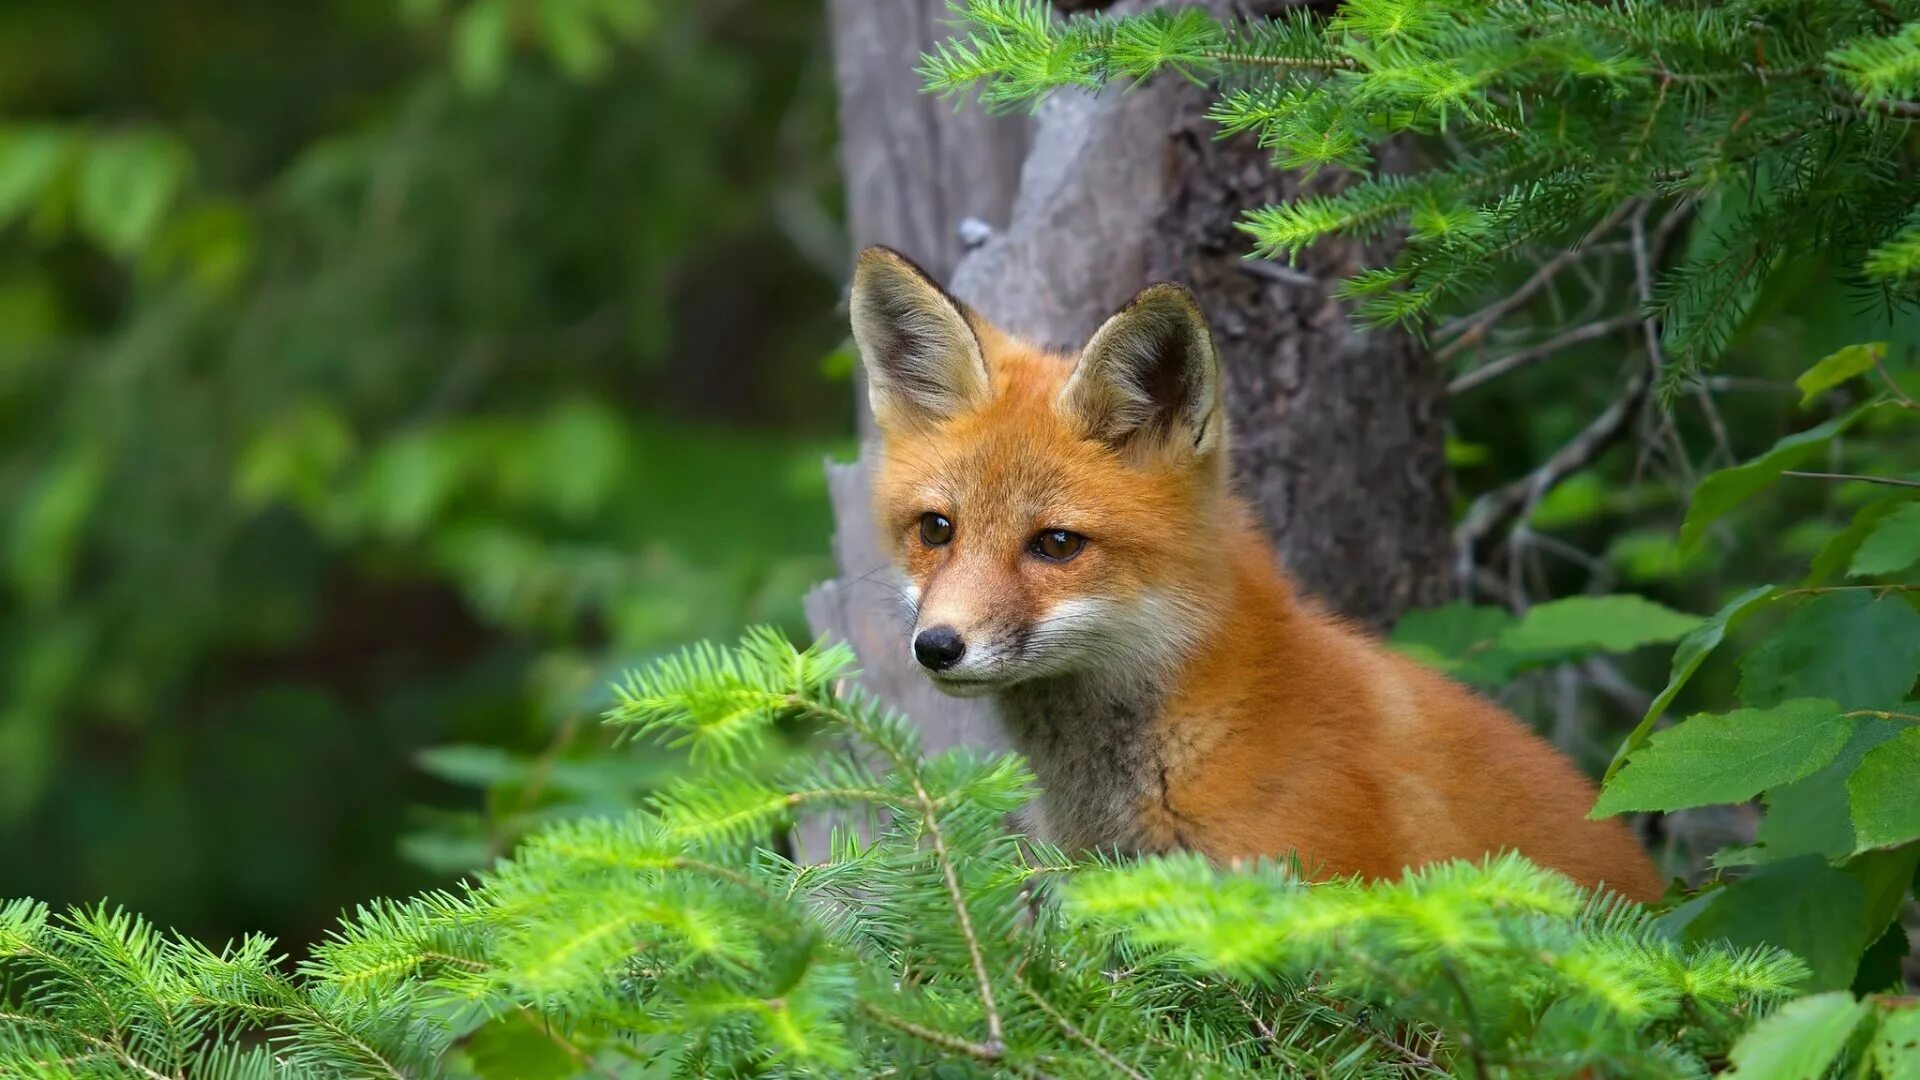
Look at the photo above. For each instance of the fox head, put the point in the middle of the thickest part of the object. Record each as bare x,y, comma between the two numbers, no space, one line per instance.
1053,514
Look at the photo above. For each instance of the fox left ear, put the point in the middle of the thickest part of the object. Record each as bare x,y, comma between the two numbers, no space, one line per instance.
1150,377
922,358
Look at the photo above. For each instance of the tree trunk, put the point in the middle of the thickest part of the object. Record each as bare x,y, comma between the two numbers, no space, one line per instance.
1337,434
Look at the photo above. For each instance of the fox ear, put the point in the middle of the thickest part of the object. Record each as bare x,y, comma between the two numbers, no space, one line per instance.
922,359
1150,378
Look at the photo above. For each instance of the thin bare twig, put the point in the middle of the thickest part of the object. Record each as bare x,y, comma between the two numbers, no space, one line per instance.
1504,503
1884,715
1273,271
1904,399
1606,676
1497,368
1821,590
1471,329
1887,480
1905,110
1643,285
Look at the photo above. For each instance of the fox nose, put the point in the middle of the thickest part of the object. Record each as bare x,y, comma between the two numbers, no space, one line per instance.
938,647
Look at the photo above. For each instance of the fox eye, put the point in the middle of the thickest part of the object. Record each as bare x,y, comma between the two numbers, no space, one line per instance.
935,529
1057,545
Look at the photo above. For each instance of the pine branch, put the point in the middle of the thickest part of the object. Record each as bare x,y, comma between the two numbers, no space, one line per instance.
724,957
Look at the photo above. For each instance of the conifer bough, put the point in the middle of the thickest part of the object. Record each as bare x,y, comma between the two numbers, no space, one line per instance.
1545,118
675,938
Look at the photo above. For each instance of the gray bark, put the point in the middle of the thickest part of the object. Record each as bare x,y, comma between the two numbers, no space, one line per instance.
1337,434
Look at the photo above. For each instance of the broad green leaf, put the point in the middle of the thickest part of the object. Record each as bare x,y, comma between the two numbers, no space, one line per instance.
1729,758
44,537
515,1045
1887,878
1687,658
1457,638
482,43
1728,488
419,12
1838,552
1838,368
297,456
127,183
30,159
1896,1044
1804,905
1651,555
1813,815
574,38
1847,647
1581,497
471,765
1885,790
1800,1040
1610,623
1893,545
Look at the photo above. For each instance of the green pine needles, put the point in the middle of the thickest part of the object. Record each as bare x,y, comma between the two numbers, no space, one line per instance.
682,939
1545,118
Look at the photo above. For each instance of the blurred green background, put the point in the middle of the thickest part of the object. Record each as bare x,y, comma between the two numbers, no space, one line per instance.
376,379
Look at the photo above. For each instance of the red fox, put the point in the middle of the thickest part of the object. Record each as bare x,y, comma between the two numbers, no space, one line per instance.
1071,547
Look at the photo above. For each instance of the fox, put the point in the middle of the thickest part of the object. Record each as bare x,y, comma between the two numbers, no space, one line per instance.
1072,548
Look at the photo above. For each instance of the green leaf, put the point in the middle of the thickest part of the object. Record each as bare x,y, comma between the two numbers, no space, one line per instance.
1839,551
574,38
1804,905
1800,1040
127,183
1687,658
1813,815
482,42
513,1045
45,536
1580,498
471,765
1896,1045
1893,545
1838,368
1729,758
1847,647
1728,488
30,159
1885,791
1888,875
1609,623
1457,638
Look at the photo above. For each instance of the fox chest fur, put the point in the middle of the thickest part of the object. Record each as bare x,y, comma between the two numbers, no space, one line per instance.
1098,758
1071,547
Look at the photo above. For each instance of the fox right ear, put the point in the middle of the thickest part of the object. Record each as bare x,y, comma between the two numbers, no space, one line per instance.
922,359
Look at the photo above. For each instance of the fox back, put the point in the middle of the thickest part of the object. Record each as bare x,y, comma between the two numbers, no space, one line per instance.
1072,547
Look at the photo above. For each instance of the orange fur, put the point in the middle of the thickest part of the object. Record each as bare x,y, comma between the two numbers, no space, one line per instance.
1263,725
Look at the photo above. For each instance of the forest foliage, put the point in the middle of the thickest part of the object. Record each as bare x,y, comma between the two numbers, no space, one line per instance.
359,425
1675,241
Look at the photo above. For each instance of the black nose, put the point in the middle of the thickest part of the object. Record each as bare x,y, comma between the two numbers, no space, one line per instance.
938,648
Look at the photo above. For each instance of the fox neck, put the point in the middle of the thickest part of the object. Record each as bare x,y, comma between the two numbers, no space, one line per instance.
1090,742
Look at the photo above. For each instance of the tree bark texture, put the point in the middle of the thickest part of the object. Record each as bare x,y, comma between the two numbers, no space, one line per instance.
1337,433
